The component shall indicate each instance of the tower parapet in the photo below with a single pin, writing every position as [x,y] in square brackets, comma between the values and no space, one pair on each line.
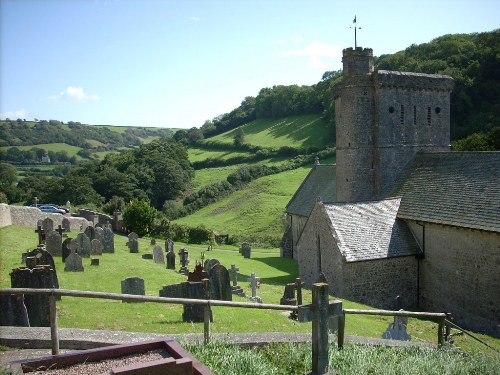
[357,61]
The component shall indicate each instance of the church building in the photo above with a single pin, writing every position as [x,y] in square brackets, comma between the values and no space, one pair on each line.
[408,217]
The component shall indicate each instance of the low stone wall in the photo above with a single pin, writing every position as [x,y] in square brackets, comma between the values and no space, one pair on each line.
[29,216]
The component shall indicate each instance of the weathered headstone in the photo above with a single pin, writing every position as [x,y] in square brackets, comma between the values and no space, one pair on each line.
[171,291]
[65,248]
[397,329]
[184,261]
[220,287]
[74,261]
[246,250]
[254,284]
[37,305]
[133,242]
[66,224]
[14,312]
[48,225]
[288,295]
[133,235]
[195,313]
[95,247]
[209,263]
[90,232]
[99,234]
[53,243]
[108,241]
[44,258]
[158,256]
[133,285]
[169,245]
[170,260]
[84,245]
[235,288]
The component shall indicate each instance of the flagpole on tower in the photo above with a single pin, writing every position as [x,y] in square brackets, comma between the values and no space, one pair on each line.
[355,34]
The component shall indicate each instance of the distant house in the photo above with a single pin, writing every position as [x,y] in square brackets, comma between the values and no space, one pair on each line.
[408,217]
[45,159]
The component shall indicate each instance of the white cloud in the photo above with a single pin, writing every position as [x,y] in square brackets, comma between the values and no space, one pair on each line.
[13,115]
[315,53]
[76,94]
[195,19]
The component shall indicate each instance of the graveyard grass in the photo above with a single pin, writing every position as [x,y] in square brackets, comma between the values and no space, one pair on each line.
[274,272]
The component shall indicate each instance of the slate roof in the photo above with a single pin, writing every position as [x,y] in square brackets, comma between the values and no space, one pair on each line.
[370,230]
[453,188]
[320,182]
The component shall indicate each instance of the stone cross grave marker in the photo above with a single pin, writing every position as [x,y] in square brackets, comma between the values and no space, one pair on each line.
[299,284]
[133,285]
[254,284]
[318,313]
[60,230]
[220,287]
[95,247]
[158,256]
[66,224]
[84,243]
[170,260]
[184,260]
[41,234]
[108,241]
[54,243]
[235,288]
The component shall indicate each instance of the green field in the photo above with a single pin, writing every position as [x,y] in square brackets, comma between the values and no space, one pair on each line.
[198,154]
[55,147]
[297,131]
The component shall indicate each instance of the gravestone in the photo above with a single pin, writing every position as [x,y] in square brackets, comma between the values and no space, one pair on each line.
[66,224]
[397,329]
[84,245]
[299,284]
[153,241]
[133,236]
[171,291]
[209,263]
[245,250]
[184,260]
[195,313]
[133,242]
[74,261]
[198,274]
[37,305]
[90,232]
[169,245]
[48,225]
[170,260]
[235,288]
[39,223]
[14,312]
[40,232]
[220,287]
[254,284]
[108,241]
[99,234]
[94,261]
[95,247]
[53,243]
[288,295]
[147,256]
[133,285]
[65,248]
[44,258]
[158,256]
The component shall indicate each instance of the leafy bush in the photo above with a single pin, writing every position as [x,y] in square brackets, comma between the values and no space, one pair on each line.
[139,217]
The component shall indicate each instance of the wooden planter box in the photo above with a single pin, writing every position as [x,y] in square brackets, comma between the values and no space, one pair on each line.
[180,361]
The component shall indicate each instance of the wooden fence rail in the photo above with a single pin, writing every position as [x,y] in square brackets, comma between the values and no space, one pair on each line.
[318,313]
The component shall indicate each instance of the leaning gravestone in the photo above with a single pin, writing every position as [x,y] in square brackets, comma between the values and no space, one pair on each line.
[37,305]
[95,247]
[108,241]
[84,243]
[220,287]
[158,256]
[90,232]
[14,312]
[47,225]
[194,313]
[73,262]
[99,234]
[171,260]
[66,224]
[53,243]
[133,285]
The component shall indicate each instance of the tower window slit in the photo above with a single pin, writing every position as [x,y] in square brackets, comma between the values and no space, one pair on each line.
[414,115]
[402,115]
[429,116]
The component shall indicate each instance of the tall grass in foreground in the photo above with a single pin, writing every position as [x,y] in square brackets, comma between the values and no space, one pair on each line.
[291,358]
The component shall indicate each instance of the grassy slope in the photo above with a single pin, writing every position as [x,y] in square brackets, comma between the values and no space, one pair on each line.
[150,317]
[55,147]
[297,131]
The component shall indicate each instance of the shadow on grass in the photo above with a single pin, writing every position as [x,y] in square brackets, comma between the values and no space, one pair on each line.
[281,264]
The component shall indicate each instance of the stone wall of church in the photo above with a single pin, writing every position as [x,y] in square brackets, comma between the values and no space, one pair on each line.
[455,279]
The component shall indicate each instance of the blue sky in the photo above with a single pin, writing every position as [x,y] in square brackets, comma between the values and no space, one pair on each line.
[173,63]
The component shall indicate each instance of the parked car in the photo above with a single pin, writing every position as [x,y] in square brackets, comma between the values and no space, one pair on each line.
[53,205]
[51,209]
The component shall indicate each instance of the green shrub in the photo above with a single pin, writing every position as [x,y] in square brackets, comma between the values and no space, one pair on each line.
[139,217]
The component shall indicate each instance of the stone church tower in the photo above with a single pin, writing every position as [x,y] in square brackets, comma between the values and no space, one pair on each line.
[383,119]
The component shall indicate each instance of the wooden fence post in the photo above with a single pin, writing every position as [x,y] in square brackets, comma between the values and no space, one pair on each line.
[54,334]
[441,331]
[341,330]
[206,313]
